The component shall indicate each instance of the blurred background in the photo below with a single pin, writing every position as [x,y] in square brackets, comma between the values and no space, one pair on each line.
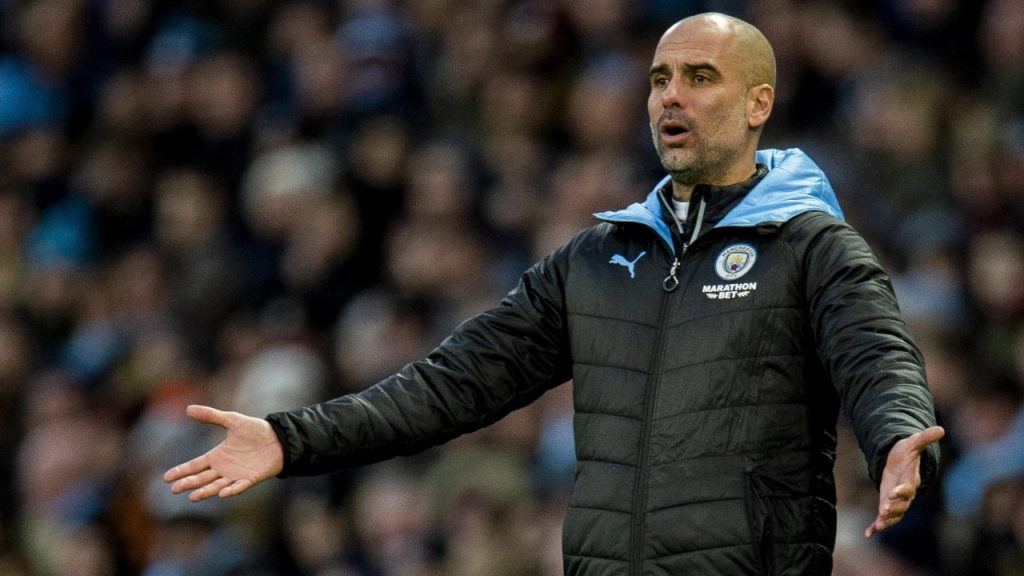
[258,205]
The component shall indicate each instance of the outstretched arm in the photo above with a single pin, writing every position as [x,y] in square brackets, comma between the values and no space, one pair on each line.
[901,478]
[867,350]
[248,455]
[492,364]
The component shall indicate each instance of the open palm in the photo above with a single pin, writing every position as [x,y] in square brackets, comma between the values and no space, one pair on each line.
[901,478]
[248,455]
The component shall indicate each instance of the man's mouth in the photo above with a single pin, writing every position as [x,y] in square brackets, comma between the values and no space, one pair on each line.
[673,133]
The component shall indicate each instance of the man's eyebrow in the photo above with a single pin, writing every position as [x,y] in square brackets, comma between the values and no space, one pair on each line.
[702,67]
[691,68]
[658,69]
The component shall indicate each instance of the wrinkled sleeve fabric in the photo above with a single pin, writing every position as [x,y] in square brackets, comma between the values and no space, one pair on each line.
[864,343]
[492,364]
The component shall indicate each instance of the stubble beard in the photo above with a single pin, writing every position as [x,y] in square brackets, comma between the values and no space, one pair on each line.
[698,164]
[707,161]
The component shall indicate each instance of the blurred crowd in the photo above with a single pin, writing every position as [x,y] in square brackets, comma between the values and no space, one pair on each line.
[260,204]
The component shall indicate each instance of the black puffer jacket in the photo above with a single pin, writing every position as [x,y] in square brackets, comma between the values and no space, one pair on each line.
[709,365]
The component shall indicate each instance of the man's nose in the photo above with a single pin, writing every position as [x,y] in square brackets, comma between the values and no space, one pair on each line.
[673,96]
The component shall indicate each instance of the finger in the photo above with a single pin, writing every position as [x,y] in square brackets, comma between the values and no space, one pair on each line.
[209,490]
[195,481]
[903,492]
[193,466]
[235,488]
[207,415]
[895,509]
[926,437]
[883,522]
[890,516]
[875,527]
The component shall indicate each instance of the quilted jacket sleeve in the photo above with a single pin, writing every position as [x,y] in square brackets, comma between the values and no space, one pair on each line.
[863,342]
[492,364]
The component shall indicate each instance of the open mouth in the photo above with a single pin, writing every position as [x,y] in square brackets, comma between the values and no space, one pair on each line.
[673,132]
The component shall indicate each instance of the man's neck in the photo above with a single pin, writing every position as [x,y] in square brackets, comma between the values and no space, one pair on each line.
[683,192]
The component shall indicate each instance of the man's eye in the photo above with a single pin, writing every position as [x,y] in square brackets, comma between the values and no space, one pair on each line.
[660,82]
[700,79]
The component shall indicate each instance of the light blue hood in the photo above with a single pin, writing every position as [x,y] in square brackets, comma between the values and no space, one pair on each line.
[794,185]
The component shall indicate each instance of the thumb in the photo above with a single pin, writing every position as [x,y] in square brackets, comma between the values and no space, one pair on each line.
[926,437]
[207,415]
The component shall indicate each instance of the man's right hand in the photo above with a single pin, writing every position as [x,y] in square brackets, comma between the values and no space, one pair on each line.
[248,455]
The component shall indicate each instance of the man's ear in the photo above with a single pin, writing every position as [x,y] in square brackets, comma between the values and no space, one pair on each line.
[760,99]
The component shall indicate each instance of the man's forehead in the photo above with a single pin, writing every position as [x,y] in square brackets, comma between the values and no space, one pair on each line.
[690,49]
[724,42]
[710,35]
[717,24]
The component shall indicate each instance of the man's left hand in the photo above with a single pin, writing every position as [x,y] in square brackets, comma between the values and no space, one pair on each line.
[901,478]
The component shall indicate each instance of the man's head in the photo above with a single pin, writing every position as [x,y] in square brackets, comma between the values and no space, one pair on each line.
[712,87]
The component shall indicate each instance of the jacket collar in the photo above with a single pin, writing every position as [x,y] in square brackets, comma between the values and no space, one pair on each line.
[794,185]
[718,200]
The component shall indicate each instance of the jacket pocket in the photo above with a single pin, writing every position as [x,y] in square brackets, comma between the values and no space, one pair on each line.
[760,519]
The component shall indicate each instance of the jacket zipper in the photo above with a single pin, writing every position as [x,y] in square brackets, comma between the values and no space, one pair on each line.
[669,284]
[640,487]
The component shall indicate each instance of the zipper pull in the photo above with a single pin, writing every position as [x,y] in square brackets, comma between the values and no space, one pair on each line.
[671,282]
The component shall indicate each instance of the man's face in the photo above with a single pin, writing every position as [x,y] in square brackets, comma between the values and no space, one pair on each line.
[698,105]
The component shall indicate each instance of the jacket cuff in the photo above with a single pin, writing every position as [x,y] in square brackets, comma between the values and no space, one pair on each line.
[881,457]
[282,439]
[930,459]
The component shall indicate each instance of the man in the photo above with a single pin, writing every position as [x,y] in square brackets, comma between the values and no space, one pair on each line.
[711,332]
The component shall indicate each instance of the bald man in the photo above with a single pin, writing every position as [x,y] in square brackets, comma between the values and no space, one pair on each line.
[712,331]
[712,87]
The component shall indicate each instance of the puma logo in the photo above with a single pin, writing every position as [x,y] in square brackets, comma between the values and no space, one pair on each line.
[621,261]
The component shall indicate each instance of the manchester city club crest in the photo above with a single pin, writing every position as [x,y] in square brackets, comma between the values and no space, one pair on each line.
[735,261]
